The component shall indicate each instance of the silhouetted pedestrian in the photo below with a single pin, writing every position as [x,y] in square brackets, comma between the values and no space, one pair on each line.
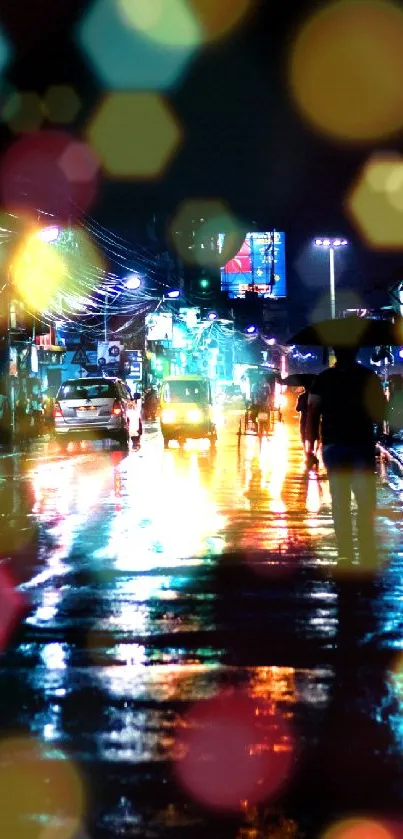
[347,400]
[5,417]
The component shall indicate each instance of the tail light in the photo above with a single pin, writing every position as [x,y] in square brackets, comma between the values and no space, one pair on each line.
[57,411]
[116,410]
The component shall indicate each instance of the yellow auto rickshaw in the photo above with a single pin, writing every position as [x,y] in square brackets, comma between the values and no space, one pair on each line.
[187,409]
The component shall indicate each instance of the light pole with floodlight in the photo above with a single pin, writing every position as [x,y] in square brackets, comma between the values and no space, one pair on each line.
[331,245]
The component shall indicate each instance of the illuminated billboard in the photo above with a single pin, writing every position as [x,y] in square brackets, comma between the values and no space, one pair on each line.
[159,326]
[259,266]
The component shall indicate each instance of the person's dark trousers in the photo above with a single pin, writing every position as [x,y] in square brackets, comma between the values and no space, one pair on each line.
[351,470]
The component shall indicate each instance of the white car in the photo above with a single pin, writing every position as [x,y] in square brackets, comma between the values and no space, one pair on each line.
[92,407]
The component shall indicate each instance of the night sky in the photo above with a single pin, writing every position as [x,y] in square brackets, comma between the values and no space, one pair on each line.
[243,141]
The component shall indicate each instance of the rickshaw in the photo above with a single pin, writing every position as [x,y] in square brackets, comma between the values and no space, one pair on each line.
[264,406]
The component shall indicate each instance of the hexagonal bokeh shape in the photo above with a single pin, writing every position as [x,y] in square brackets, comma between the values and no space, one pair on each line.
[34,173]
[184,22]
[375,202]
[22,112]
[61,103]
[344,69]
[134,134]
[124,58]
[170,23]
[193,232]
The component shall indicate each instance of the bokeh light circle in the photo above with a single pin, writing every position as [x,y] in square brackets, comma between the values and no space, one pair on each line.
[358,828]
[23,112]
[375,201]
[233,749]
[219,19]
[31,786]
[170,24]
[80,165]
[32,179]
[44,273]
[134,135]
[184,23]
[38,273]
[61,103]
[345,68]
[194,228]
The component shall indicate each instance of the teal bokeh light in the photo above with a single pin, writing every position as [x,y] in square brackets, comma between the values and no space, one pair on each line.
[125,59]
[5,51]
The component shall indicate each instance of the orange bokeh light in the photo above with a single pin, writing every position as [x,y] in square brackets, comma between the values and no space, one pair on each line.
[345,68]
[358,828]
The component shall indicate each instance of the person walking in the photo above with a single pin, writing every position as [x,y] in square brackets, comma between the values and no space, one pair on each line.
[23,420]
[302,409]
[135,423]
[346,401]
[5,417]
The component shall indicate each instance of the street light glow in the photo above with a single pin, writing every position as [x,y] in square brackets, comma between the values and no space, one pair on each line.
[132,282]
[173,294]
[212,315]
[331,245]
[250,330]
[49,234]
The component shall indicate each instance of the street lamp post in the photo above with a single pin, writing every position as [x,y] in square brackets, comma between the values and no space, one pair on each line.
[331,245]
[131,282]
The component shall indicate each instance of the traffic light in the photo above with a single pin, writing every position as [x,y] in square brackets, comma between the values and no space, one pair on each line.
[160,366]
[204,283]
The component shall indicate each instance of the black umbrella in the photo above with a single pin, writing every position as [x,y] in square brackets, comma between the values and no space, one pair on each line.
[351,331]
[299,380]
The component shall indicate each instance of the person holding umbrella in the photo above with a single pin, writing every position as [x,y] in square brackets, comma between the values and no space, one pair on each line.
[303,380]
[346,401]
[302,408]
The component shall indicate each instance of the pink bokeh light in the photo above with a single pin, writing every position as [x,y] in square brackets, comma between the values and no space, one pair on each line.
[13,605]
[49,172]
[232,751]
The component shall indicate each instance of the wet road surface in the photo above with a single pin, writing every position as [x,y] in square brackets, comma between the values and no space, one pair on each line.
[156,583]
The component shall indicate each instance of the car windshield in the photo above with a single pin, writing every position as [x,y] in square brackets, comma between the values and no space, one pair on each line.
[87,390]
[186,391]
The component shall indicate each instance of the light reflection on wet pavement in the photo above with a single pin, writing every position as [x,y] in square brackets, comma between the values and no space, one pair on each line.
[159,579]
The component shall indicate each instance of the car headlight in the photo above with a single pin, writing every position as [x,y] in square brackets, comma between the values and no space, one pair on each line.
[194,415]
[168,416]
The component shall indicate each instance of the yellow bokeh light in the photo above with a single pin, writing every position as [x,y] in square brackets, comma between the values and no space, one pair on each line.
[134,134]
[171,24]
[23,112]
[358,829]
[84,261]
[45,273]
[345,69]
[375,202]
[61,103]
[38,272]
[182,23]
[32,785]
